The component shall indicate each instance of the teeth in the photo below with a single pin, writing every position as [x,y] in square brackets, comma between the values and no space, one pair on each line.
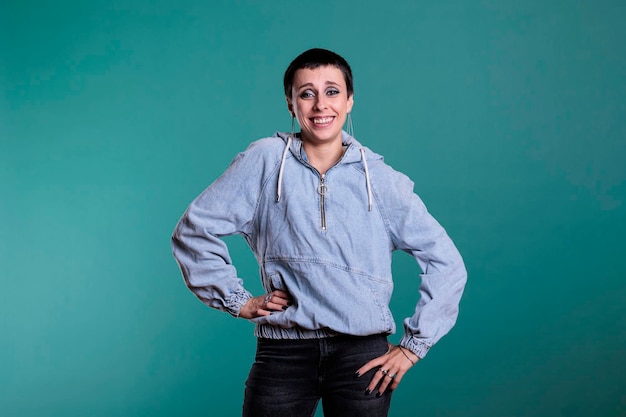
[322,120]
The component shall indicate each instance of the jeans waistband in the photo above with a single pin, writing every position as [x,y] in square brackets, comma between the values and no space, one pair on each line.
[265,331]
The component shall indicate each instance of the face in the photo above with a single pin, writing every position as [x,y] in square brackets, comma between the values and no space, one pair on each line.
[320,102]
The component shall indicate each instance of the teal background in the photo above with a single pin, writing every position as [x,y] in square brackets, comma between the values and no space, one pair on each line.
[509,115]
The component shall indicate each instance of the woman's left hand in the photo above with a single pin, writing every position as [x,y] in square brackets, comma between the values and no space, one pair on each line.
[392,367]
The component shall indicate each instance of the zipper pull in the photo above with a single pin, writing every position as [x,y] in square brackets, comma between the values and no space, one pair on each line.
[322,189]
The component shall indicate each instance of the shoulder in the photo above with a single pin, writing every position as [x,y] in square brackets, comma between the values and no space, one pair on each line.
[383,173]
[393,187]
[268,144]
[262,152]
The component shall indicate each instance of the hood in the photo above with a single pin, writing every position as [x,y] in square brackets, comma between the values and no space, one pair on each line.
[354,154]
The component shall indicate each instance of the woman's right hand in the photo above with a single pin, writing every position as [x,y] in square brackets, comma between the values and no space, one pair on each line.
[264,305]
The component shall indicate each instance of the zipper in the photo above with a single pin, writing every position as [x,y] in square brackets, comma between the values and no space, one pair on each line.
[322,190]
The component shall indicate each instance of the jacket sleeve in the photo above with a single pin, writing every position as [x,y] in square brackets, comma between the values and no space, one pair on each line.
[443,276]
[225,208]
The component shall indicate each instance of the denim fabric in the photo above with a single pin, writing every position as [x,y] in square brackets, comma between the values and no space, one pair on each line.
[289,377]
[329,251]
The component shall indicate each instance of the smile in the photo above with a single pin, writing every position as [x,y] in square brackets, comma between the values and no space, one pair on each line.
[322,120]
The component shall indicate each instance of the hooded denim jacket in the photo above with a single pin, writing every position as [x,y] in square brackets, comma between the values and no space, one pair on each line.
[327,240]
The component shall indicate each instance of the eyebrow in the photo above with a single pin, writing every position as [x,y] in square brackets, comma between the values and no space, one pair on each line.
[311,84]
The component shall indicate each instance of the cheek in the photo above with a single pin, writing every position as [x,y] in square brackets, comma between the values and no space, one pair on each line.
[301,108]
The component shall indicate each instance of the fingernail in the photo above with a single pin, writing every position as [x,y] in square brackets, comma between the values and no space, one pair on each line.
[379,394]
[357,374]
[285,307]
[368,392]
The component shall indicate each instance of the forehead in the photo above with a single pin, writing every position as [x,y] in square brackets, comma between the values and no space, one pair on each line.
[328,74]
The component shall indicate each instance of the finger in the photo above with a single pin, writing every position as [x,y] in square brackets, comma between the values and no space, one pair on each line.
[393,366]
[273,303]
[393,383]
[279,297]
[376,362]
[390,380]
[282,294]
[384,383]
[273,307]
[374,382]
[263,305]
[262,312]
[281,302]
[381,380]
[396,381]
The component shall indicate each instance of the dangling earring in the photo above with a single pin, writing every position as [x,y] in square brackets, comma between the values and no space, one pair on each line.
[293,125]
[350,127]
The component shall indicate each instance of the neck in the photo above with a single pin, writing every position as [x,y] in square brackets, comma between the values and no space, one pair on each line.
[323,156]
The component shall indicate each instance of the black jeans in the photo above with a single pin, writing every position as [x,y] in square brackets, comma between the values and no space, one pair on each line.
[289,377]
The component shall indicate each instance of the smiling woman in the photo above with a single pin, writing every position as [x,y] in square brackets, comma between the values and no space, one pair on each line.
[319,93]
[320,101]
[324,248]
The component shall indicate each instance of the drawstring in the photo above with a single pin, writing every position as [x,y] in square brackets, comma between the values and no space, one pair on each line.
[282,166]
[367,181]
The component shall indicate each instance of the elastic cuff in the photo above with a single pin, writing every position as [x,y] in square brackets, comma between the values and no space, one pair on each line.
[237,300]
[415,345]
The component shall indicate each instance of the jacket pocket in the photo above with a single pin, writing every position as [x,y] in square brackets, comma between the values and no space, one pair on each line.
[276,282]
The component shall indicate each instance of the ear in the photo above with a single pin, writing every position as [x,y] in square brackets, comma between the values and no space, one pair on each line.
[350,102]
[290,107]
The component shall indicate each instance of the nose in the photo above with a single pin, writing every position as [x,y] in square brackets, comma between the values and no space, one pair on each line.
[320,103]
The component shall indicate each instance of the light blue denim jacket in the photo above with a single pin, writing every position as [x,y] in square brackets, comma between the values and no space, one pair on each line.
[327,240]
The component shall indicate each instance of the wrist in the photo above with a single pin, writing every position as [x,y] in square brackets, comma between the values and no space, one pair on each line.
[412,357]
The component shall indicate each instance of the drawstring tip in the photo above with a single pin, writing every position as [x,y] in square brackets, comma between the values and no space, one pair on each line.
[280,170]
[368,185]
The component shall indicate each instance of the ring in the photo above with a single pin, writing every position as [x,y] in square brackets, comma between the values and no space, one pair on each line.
[390,376]
[384,371]
[267,298]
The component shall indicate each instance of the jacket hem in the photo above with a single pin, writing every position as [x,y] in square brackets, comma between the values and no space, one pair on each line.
[266,331]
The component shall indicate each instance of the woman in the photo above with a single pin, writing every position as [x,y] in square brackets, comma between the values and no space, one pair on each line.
[322,214]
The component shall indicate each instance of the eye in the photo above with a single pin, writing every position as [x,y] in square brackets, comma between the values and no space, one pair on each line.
[307,94]
[332,92]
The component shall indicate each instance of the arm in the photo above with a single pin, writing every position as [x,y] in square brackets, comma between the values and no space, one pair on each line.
[443,275]
[226,207]
[416,232]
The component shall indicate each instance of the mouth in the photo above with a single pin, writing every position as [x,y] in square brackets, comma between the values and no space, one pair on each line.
[322,121]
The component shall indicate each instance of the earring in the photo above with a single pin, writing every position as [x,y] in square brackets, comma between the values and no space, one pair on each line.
[293,125]
[350,127]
